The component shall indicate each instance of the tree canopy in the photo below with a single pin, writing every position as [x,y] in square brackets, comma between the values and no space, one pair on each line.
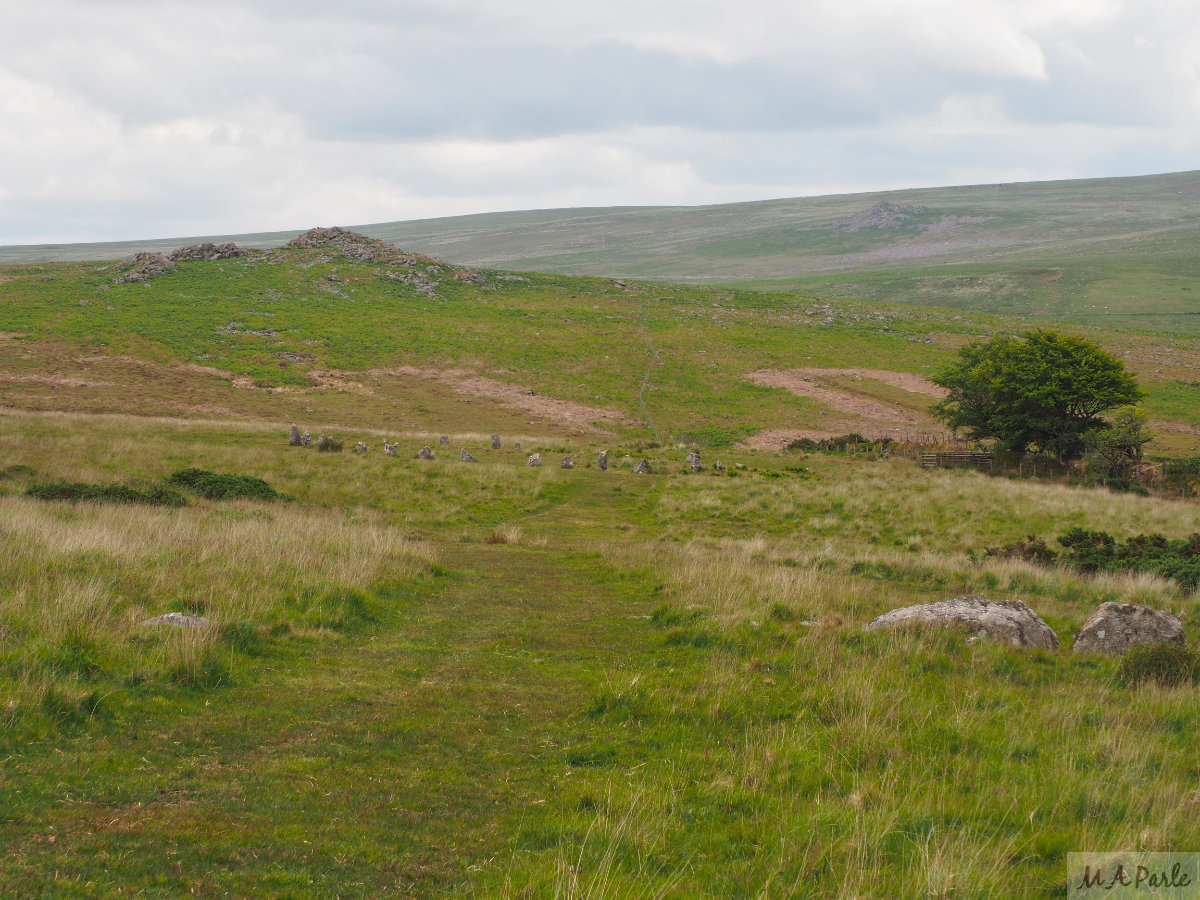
[1044,390]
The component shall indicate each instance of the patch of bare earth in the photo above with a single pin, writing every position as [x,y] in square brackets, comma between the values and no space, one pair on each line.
[865,415]
[565,412]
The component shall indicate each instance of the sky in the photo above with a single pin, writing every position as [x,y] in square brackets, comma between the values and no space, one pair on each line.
[122,119]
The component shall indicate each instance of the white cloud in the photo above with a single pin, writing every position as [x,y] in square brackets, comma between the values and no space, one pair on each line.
[124,118]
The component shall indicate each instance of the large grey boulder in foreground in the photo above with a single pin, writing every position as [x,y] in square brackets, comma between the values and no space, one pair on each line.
[1010,621]
[1116,628]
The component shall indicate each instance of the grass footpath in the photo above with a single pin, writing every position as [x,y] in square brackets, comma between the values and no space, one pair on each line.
[495,681]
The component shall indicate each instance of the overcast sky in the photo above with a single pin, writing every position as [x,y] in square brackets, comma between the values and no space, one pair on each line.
[154,119]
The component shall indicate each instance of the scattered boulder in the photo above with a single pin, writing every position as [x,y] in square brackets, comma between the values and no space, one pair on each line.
[209,251]
[602,461]
[642,467]
[1116,628]
[464,456]
[146,265]
[294,439]
[1010,621]
[535,460]
[360,447]
[425,453]
[568,463]
[693,461]
[444,440]
[495,442]
[178,620]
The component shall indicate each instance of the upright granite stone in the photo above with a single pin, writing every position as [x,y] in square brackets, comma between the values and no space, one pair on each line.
[535,460]
[693,461]
[602,461]
[294,437]
[1116,628]
[568,463]
[495,442]
[444,440]
[425,453]
[1010,621]
[390,449]
[306,440]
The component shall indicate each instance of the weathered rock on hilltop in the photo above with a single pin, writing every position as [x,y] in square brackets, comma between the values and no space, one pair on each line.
[345,243]
[1116,628]
[1010,621]
[146,265]
[209,251]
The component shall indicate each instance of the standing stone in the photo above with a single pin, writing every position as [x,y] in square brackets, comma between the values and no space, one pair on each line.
[718,466]
[294,436]
[425,453]
[464,456]
[693,461]
[495,442]
[517,445]
[1116,628]
[1010,621]
[535,460]
[390,449]
[360,447]
[568,463]
[444,440]
[306,440]
[642,467]
[602,461]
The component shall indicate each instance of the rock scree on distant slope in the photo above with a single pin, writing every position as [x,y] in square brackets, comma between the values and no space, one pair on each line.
[882,215]
[1116,628]
[1010,621]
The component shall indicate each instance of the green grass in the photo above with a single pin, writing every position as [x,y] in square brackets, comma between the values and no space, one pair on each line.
[625,695]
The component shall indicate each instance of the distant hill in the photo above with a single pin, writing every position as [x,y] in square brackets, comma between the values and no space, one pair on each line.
[1116,250]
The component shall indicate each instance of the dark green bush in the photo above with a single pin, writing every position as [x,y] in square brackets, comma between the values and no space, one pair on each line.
[1169,665]
[213,486]
[78,491]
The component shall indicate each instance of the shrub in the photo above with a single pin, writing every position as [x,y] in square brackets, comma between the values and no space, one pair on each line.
[1169,665]
[78,491]
[213,486]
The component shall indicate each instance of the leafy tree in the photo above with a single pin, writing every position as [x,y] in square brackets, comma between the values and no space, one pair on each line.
[1114,451]
[1044,391]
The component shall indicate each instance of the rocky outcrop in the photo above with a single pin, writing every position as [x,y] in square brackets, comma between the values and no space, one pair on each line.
[1116,628]
[208,251]
[145,266]
[1009,621]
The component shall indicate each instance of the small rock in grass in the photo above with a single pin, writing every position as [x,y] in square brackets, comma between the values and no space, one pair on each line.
[1010,621]
[360,447]
[568,463]
[535,460]
[642,467]
[1116,628]
[178,620]
[464,456]
[444,440]
[425,453]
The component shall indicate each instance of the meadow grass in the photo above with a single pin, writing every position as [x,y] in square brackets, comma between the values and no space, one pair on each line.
[431,678]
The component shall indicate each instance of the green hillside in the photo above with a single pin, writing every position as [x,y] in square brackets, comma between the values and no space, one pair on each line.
[1116,251]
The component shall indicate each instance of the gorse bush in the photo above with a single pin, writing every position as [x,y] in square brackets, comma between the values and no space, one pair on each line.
[214,486]
[78,491]
[1099,551]
[1169,665]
